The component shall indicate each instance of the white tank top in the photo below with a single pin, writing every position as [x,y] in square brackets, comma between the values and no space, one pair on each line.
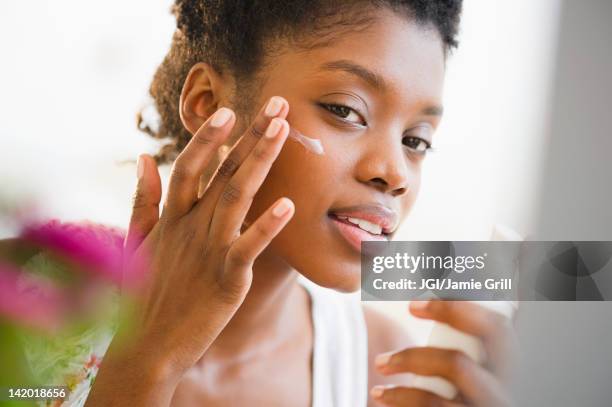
[340,348]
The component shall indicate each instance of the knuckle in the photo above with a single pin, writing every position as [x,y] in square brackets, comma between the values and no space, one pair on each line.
[228,167]
[188,235]
[181,172]
[138,222]
[139,199]
[231,194]
[237,257]
[203,138]
[262,229]
[167,218]
[232,289]
[255,132]
[219,249]
[260,153]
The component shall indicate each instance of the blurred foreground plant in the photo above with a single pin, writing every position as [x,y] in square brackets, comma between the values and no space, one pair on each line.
[59,301]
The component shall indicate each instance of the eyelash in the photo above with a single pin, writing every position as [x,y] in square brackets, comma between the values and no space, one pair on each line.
[331,106]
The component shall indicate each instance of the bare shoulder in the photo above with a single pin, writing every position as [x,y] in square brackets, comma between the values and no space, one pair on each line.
[384,335]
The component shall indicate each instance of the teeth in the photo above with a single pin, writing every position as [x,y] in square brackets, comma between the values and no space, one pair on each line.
[364,224]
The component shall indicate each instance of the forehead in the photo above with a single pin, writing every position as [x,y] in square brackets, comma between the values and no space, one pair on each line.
[408,59]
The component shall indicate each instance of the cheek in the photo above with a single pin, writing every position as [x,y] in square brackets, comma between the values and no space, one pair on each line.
[414,186]
[313,182]
[300,175]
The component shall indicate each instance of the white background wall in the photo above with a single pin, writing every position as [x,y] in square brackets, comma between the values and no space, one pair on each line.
[73,74]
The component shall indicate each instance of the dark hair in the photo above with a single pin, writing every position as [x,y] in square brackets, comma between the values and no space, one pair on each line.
[235,35]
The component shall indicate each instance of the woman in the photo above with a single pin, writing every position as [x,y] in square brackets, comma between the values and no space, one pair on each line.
[223,319]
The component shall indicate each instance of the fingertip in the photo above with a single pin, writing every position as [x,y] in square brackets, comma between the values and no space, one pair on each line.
[221,117]
[140,166]
[383,359]
[283,131]
[148,177]
[277,106]
[284,123]
[283,207]
[418,307]
[285,109]
[148,158]
[145,164]
[377,392]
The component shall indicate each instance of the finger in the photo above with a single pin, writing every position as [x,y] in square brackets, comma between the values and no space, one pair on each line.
[193,160]
[251,243]
[474,382]
[406,396]
[145,205]
[276,107]
[494,329]
[239,192]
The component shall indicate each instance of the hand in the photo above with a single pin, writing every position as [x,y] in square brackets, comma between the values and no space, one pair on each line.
[478,386]
[198,264]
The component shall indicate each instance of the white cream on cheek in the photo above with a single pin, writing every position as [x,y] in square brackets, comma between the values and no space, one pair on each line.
[311,144]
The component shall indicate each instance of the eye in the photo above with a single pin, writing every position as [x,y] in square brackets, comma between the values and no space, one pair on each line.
[416,144]
[345,113]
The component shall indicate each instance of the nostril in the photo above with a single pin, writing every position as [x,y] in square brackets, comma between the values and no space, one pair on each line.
[400,191]
[380,183]
[384,185]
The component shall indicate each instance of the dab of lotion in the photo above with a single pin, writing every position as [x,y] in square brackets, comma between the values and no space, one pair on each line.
[311,144]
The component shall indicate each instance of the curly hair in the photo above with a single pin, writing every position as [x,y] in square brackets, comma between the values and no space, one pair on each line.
[235,36]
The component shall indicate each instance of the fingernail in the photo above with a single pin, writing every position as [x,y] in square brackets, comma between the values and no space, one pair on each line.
[377,391]
[419,305]
[382,359]
[221,117]
[140,167]
[281,208]
[273,128]
[274,107]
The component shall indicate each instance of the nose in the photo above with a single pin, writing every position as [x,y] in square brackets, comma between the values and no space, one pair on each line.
[384,166]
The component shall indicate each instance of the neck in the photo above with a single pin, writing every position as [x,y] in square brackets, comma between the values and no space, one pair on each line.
[267,316]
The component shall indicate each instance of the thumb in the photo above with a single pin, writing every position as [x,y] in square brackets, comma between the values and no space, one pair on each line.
[145,202]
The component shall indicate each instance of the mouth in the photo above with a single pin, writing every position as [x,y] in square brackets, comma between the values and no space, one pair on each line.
[364,223]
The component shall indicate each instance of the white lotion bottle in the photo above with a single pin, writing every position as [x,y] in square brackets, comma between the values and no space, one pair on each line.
[444,336]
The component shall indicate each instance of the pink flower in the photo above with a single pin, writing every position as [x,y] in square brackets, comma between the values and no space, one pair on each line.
[30,300]
[93,253]
[98,249]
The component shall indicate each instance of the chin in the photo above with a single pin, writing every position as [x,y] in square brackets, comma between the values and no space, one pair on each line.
[344,277]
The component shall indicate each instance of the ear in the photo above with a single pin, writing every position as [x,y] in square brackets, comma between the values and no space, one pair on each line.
[204,91]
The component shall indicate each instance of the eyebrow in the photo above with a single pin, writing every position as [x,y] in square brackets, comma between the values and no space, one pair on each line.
[372,78]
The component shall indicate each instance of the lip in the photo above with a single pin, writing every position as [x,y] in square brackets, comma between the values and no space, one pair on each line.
[376,214]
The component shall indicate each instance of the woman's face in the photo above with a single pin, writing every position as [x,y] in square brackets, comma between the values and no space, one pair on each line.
[373,98]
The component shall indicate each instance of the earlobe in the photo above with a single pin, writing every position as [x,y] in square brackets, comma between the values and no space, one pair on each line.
[201,96]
